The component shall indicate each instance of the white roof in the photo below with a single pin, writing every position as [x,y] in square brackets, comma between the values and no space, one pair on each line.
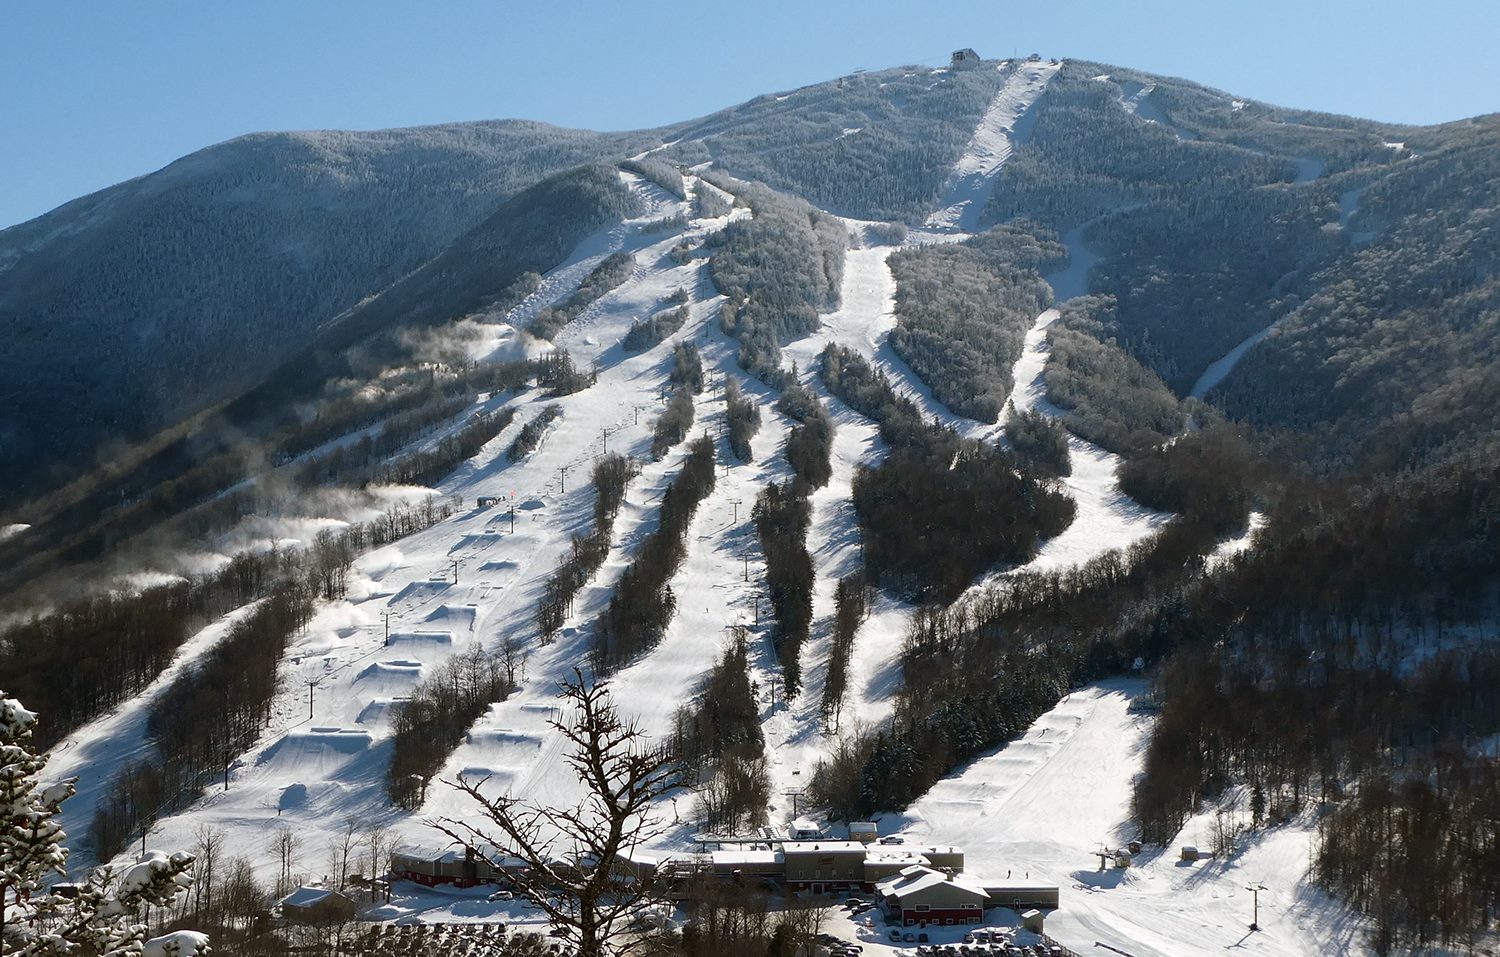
[308,896]
[918,878]
[731,858]
[895,855]
[821,847]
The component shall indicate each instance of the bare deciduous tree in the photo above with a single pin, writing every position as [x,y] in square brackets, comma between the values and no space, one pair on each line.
[577,868]
[284,844]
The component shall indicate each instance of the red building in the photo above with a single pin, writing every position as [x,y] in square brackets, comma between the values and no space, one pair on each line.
[921,895]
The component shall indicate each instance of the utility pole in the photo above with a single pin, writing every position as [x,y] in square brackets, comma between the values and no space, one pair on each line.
[736,503]
[512,518]
[1255,890]
[310,686]
[454,563]
[604,437]
[387,616]
[564,470]
[747,568]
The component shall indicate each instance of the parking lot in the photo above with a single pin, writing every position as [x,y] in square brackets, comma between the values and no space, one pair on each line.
[865,934]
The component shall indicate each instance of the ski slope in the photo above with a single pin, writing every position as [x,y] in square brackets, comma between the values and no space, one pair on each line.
[1041,806]
[1003,126]
[1038,806]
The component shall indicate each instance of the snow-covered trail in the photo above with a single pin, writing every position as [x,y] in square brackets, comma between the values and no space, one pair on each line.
[1002,127]
[1136,100]
[97,752]
[316,766]
[1106,517]
[1039,807]
[1219,369]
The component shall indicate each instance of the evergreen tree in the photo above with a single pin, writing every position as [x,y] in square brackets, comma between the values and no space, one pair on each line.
[103,920]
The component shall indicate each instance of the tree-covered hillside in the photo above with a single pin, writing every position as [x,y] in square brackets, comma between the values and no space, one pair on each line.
[132,307]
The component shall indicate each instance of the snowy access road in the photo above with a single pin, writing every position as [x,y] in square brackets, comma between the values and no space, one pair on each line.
[1004,124]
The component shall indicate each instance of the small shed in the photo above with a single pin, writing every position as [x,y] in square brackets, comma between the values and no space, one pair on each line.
[805,829]
[864,832]
[317,905]
[1190,853]
[1032,920]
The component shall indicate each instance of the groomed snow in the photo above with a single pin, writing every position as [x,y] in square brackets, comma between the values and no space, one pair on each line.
[1038,806]
[1041,806]
[1000,129]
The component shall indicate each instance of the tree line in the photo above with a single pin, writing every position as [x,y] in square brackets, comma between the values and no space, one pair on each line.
[743,416]
[782,516]
[532,432]
[612,473]
[718,736]
[962,311]
[94,652]
[432,722]
[643,602]
[777,270]
[940,509]
[613,270]
[686,380]
[851,607]
[646,333]
[218,705]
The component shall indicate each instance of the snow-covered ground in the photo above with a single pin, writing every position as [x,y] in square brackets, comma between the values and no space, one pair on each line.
[1038,806]
[1219,369]
[1004,124]
[1041,806]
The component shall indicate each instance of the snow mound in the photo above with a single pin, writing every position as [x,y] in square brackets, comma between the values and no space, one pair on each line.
[422,637]
[316,747]
[461,617]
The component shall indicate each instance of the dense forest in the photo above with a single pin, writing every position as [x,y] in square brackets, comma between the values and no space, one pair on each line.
[939,510]
[226,294]
[962,311]
[1106,396]
[778,270]
[876,145]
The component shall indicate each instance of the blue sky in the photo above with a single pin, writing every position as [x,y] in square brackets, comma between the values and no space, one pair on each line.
[97,92]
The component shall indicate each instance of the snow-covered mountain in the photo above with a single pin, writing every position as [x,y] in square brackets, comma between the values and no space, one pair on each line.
[1192,309]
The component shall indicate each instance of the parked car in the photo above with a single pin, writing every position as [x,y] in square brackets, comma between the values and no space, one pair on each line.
[894,935]
[910,937]
[921,938]
[893,839]
[502,896]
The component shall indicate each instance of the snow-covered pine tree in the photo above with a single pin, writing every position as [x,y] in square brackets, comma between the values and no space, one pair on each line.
[104,919]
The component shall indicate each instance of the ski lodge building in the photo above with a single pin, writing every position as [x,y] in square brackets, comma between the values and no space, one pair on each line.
[906,875]
[921,895]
